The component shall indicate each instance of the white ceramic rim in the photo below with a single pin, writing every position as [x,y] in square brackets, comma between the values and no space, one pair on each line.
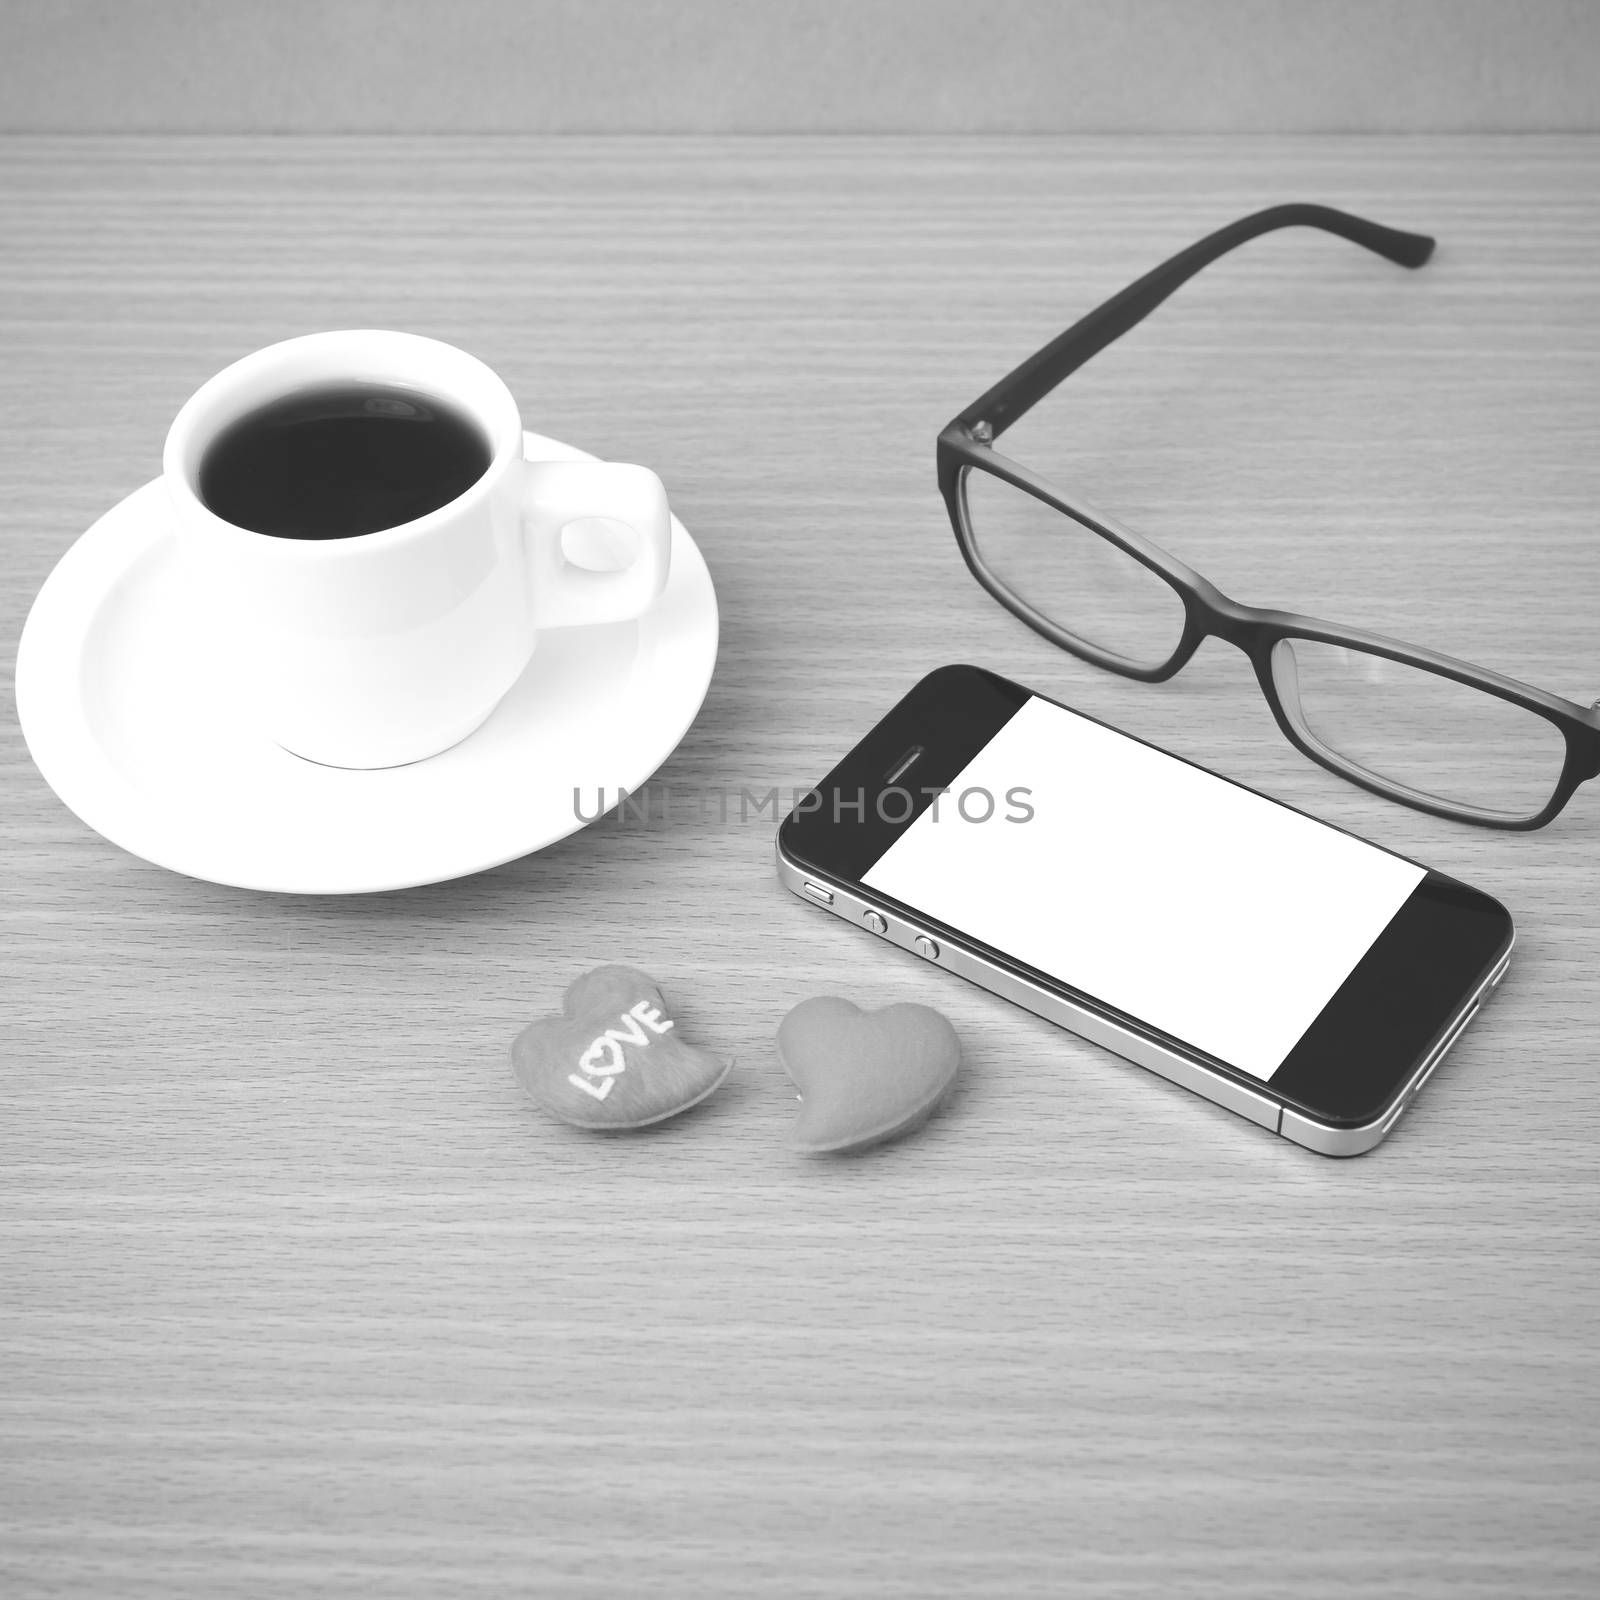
[345,355]
[68,754]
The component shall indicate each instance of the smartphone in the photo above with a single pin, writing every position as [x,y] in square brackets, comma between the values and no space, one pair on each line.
[1277,965]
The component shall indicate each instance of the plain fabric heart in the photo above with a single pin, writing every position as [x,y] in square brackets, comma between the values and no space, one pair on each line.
[864,1076]
[614,1058]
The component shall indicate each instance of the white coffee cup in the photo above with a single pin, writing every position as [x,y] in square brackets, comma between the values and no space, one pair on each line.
[383,648]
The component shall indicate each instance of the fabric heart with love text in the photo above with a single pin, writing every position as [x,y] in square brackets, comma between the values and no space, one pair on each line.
[614,1058]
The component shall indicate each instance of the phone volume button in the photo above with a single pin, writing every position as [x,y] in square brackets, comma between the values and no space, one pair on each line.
[927,947]
[875,923]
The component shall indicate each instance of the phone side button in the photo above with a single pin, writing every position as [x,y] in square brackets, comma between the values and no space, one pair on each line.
[927,948]
[823,897]
[874,923]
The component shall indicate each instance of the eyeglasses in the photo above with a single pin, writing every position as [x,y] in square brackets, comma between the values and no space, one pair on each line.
[1418,727]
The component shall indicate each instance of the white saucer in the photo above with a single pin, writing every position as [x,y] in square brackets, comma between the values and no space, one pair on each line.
[128,712]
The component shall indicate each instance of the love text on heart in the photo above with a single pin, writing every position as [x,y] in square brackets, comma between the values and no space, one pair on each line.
[603,1062]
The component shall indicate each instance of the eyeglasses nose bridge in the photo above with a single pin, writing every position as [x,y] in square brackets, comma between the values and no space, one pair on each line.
[1220,617]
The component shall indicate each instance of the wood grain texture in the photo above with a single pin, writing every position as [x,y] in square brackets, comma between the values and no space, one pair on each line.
[299,1296]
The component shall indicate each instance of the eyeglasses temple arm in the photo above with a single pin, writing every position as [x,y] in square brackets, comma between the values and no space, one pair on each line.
[1025,386]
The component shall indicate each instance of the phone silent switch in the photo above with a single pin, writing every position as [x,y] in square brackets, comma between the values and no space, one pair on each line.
[927,947]
[823,897]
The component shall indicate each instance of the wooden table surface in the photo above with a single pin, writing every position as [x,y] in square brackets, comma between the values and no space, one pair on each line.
[301,1298]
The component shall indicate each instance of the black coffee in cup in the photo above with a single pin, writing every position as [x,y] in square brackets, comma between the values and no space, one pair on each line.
[334,462]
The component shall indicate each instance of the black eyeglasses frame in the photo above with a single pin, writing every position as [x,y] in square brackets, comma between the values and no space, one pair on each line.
[966,444]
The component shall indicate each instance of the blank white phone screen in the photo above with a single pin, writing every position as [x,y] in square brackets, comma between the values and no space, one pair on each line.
[1181,899]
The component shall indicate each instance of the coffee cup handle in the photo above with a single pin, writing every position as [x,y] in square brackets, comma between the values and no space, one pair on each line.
[599,541]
